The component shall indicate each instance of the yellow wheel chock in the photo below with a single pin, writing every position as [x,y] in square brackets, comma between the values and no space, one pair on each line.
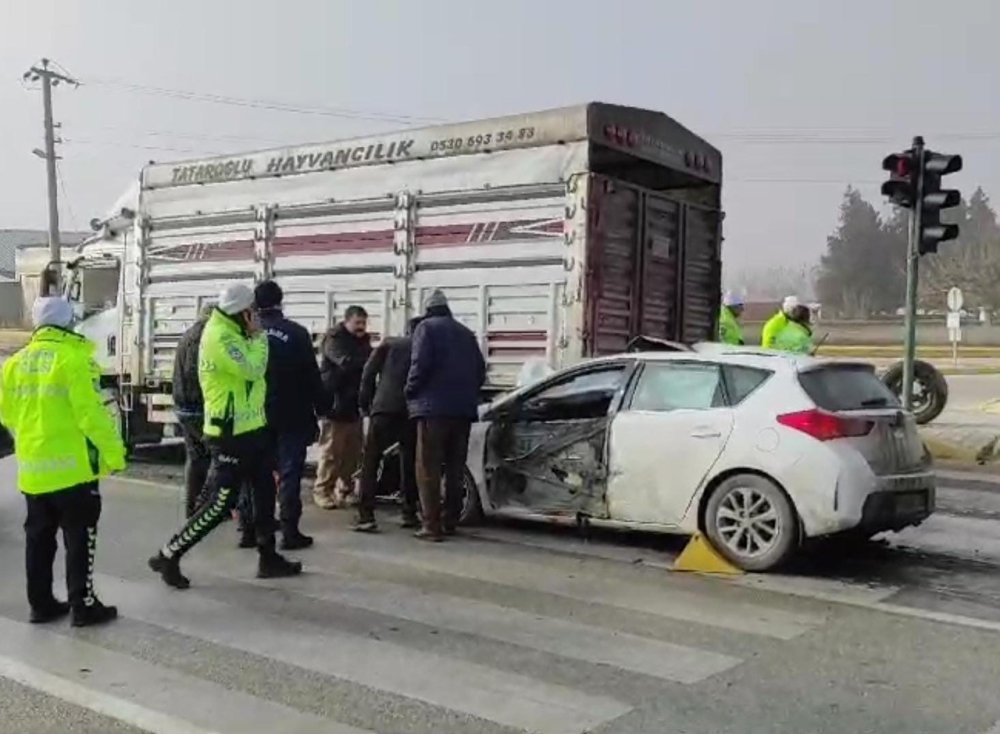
[700,556]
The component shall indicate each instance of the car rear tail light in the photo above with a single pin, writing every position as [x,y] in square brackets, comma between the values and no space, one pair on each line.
[825,426]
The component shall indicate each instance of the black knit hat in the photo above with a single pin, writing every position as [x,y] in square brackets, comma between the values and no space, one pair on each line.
[267,294]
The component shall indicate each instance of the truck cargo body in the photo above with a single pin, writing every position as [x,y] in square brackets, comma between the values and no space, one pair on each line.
[556,236]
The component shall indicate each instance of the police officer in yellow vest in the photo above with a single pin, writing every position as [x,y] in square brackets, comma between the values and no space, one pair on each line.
[730,330]
[65,440]
[774,325]
[796,336]
[232,363]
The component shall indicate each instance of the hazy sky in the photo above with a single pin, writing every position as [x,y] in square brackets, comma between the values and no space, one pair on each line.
[803,98]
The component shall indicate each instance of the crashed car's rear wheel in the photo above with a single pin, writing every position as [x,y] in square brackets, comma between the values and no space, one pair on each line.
[751,522]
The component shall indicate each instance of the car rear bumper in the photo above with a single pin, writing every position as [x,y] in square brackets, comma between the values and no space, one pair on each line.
[899,503]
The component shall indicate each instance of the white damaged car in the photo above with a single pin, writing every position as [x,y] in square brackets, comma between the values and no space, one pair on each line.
[758,450]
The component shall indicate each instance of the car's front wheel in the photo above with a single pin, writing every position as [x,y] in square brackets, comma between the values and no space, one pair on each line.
[751,522]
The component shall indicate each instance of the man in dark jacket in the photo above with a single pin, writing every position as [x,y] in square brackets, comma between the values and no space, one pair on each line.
[189,408]
[294,394]
[382,399]
[345,350]
[447,371]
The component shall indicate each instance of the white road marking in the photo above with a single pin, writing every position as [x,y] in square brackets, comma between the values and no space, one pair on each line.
[567,639]
[141,694]
[506,698]
[821,589]
[671,603]
[995,729]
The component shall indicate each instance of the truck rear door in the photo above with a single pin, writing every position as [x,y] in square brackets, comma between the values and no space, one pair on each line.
[653,267]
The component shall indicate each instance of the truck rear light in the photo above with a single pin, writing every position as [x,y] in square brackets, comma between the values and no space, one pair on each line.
[825,426]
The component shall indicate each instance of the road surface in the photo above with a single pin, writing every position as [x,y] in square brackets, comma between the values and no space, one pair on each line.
[513,628]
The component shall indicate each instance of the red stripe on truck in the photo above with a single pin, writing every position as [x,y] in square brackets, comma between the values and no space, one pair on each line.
[445,235]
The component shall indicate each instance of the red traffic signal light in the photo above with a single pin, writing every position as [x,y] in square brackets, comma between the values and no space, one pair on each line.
[901,187]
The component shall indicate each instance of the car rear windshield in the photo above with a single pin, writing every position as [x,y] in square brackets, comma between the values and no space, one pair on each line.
[848,387]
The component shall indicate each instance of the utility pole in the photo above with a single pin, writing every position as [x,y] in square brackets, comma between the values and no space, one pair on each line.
[912,275]
[49,79]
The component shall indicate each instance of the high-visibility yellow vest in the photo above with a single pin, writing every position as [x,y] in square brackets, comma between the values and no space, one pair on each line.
[231,370]
[64,435]
[795,338]
[772,328]
[730,331]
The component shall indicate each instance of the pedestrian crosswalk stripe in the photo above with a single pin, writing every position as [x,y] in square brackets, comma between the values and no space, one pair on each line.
[141,694]
[583,642]
[671,603]
[495,695]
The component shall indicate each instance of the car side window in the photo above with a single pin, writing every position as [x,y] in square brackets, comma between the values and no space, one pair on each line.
[741,381]
[679,386]
[608,380]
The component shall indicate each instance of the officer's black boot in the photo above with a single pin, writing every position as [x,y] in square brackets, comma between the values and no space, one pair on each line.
[169,570]
[248,538]
[94,614]
[273,565]
[293,539]
[50,612]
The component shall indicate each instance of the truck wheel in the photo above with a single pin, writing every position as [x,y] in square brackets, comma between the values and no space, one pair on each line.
[751,522]
[930,389]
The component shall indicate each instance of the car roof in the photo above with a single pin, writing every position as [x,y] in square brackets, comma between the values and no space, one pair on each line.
[757,357]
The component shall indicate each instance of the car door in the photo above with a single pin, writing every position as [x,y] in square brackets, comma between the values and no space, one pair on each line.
[669,433]
[546,450]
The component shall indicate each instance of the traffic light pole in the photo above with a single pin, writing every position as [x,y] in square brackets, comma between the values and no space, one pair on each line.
[912,275]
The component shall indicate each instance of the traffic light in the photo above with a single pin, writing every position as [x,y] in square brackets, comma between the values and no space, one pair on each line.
[935,199]
[901,188]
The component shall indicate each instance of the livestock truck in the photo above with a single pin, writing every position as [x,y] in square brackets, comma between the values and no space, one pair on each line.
[556,235]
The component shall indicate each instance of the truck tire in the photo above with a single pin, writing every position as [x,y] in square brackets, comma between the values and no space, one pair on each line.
[751,521]
[930,389]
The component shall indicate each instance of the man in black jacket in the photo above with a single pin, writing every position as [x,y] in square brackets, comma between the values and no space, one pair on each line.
[382,399]
[294,396]
[447,371]
[189,408]
[345,350]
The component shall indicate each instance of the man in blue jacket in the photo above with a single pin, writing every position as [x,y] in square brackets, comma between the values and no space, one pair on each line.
[447,371]
[294,396]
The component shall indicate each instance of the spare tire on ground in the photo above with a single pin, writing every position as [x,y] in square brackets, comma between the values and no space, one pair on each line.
[930,389]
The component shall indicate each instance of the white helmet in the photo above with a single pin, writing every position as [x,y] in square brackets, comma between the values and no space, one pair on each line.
[235,298]
[789,304]
[733,299]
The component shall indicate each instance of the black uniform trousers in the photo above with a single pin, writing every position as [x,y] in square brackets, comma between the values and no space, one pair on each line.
[243,458]
[197,459]
[76,511]
[383,431]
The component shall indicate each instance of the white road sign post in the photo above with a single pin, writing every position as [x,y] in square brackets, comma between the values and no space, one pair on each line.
[955,302]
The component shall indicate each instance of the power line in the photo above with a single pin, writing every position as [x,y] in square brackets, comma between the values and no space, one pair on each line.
[833,181]
[189,135]
[119,144]
[263,104]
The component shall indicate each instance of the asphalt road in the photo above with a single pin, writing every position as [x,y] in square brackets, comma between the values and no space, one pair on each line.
[513,628]
[972,399]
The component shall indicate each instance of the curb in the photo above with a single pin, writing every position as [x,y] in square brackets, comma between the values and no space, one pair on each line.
[961,452]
